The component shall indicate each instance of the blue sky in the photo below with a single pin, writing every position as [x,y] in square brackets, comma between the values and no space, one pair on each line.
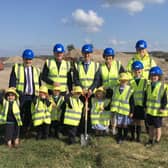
[39,24]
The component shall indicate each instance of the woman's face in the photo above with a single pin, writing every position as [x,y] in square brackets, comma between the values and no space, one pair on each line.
[154,78]
[141,52]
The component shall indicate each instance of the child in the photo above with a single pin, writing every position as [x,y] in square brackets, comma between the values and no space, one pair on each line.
[100,118]
[156,104]
[138,83]
[122,104]
[73,112]
[41,113]
[10,115]
[56,114]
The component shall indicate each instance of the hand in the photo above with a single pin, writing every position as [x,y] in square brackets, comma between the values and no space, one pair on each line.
[89,92]
[161,110]
[56,84]
[131,115]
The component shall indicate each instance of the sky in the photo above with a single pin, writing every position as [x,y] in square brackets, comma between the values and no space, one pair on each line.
[40,24]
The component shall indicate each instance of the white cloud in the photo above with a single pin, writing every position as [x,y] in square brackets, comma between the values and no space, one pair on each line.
[88,21]
[115,42]
[132,6]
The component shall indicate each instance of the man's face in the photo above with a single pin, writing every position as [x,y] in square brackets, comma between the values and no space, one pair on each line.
[109,60]
[59,56]
[137,72]
[27,62]
[87,57]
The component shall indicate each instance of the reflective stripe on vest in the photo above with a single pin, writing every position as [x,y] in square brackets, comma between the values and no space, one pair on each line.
[97,115]
[15,110]
[41,113]
[139,91]
[154,100]
[110,77]
[20,78]
[58,76]
[73,115]
[120,101]
[87,79]
[56,111]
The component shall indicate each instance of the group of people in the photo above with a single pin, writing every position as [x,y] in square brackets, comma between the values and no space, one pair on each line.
[53,100]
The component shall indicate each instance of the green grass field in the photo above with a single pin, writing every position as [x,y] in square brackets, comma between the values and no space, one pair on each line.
[103,152]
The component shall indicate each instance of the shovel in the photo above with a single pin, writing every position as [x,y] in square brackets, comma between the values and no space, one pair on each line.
[85,136]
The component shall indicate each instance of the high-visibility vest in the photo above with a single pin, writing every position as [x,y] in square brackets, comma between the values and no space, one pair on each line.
[73,115]
[98,116]
[154,100]
[20,77]
[87,78]
[147,62]
[56,75]
[56,109]
[41,113]
[110,77]
[139,91]
[120,101]
[15,109]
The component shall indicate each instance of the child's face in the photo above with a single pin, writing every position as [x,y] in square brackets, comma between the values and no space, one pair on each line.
[154,78]
[123,82]
[11,97]
[76,94]
[56,92]
[137,73]
[42,95]
[99,95]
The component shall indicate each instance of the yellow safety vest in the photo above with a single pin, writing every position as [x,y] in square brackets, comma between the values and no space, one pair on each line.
[110,77]
[58,76]
[56,110]
[15,109]
[20,77]
[154,100]
[86,79]
[73,115]
[147,62]
[41,113]
[139,91]
[120,101]
[98,116]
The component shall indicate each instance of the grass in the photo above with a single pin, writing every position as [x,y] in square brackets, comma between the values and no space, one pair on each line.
[103,152]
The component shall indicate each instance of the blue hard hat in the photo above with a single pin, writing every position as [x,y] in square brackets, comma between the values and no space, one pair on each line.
[108,52]
[87,48]
[156,70]
[28,54]
[137,65]
[58,48]
[141,44]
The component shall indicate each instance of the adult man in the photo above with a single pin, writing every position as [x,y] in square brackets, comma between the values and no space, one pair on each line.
[86,72]
[56,71]
[86,75]
[26,79]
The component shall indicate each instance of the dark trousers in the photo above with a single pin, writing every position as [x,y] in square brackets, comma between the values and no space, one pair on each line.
[25,103]
[12,132]
[72,132]
[42,131]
